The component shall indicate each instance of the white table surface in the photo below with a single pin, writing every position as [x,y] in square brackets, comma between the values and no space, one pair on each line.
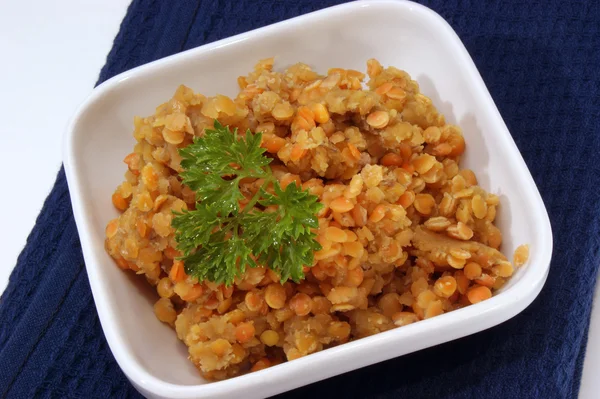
[52,54]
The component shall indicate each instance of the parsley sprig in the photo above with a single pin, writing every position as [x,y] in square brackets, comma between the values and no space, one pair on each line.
[218,239]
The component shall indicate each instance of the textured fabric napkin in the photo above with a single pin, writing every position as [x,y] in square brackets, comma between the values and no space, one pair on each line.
[540,60]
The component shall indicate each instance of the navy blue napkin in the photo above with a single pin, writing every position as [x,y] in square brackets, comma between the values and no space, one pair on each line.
[540,60]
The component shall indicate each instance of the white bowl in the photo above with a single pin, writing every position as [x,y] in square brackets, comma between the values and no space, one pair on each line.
[404,34]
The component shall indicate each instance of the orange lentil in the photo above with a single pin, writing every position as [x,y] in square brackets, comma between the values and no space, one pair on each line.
[373,67]
[165,287]
[122,263]
[354,277]
[469,177]
[406,199]
[359,214]
[119,202]
[404,318]
[145,202]
[340,330]
[391,159]
[445,286]
[378,119]
[273,144]
[177,272]
[269,337]
[111,228]
[253,301]
[261,365]
[242,82]
[521,255]
[244,332]
[301,304]
[275,296]
[389,304]
[335,234]
[478,294]
[288,179]
[442,149]
[282,112]
[141,227]
[462,282]
[341,204]
[457,144]
[424,203]
[297,152]
[320,113]
[171,253]
[378,213]
[193,293]
[306,113]
[384,88]
[472,270]
[354,151]
[503,269]
[164,311]
[486,280]
[353,249]
[408,167]
[132,160]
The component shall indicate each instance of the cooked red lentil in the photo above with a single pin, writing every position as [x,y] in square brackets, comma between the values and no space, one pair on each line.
[406,234]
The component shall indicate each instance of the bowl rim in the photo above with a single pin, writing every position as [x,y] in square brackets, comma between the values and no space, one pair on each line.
[487,314]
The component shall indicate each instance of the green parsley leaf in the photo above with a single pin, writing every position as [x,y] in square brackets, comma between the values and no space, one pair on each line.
[220,260]
[194,228]
[273,234]
[211,161]
[218,241]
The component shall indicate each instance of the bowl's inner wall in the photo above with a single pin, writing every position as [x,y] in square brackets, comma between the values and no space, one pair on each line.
[103,137]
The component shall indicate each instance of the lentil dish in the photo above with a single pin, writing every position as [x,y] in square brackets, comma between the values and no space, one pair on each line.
[405,233]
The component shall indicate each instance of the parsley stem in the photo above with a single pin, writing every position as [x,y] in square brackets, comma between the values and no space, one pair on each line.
[257,195]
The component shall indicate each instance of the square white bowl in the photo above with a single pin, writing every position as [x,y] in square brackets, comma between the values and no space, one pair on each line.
[399,33]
